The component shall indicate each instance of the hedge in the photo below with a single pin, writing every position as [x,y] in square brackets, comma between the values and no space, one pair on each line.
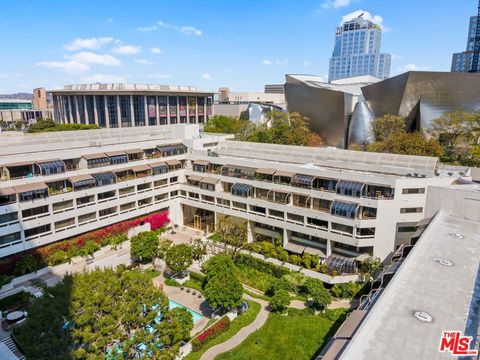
[261,265]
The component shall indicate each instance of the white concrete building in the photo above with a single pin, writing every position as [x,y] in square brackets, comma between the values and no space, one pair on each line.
[335,203]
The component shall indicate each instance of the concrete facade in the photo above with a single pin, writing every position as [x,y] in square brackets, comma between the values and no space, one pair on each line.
[326,201]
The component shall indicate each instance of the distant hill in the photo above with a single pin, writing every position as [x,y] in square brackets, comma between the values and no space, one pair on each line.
[23,96]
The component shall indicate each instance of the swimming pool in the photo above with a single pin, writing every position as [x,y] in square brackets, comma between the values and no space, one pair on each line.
[196,315]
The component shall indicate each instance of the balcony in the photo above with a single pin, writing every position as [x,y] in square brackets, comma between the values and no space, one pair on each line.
[59,187]
[8,195]
[241,172]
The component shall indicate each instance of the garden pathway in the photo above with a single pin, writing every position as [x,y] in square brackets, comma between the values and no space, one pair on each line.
[240,336]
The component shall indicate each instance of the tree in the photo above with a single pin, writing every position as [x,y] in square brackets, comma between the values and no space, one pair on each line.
[319,296]
[449,127]
[407,144]
[371,267]
[280,301]
[144,246]
[18,125]
[383,127]
[104,308]
[225,124]
[179,258]
[185,320]
[199,249]
[163,246]
[222,285]
[233,236]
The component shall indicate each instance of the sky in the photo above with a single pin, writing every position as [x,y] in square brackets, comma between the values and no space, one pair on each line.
[240,44]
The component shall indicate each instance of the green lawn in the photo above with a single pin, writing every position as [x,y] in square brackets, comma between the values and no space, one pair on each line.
[238,323]
[283,337]
[254,278]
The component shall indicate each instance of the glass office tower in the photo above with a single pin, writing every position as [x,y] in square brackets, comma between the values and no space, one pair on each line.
[357,51]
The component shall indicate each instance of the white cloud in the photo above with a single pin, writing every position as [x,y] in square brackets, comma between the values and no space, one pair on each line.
[376,19]
[127,50]
[4,75]
[185,29]
[396,57]
[274,62]
[155,50]
[190,30]
[103,78]
[159,76]
[143,61]
[307,63]
[93,58]
[206,77]
[147,28]
[109,20]
[68,66]
[93,43]
[413,67]
[335,4]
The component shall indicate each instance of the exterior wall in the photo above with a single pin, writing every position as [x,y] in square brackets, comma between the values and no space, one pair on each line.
[230,109]
[39,99]
[180,192]
[9,116]
[131,109]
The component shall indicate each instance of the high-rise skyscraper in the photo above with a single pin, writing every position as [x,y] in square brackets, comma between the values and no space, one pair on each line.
[468,61]
[357,51]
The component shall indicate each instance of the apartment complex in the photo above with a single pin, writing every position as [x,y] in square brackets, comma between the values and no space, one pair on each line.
[131,105]
[334,203]
[357,51]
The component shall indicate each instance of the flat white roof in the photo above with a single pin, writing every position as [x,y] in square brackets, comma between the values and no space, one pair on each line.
[127,88]
[449,294]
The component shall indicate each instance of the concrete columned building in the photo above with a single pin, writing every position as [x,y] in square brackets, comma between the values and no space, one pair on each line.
[338,204]
[357,51]
[131,105]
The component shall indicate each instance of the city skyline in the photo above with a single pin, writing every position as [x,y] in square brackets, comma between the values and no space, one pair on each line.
[158,45]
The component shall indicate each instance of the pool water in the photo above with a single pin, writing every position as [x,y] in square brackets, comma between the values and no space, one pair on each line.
[196,315]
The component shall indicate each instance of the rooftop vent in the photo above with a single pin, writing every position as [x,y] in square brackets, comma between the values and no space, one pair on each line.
[457,236]
[423,316]
[443,261]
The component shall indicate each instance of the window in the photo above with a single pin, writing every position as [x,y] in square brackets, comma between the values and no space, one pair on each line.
[258,209]
[64,223]
[62,205]
[104,179]
[98,162]
[151,110]
[107,195]
[37,230]
[173,193]
[33,195]
[5,239]
[51,167]
[295,217]
[411,210]
[139,110]
[145,186]
[317,222]
[34,211]
[112,111]
[85,200]
[159,183]
[342,228]
[125,112]
[161,197]
[173,179]
[5,218]
[404,229]
[239,205]
[87,217]
[350,188]
[276,213]
[108,211]
[100,100]
[118,159]
[408,191]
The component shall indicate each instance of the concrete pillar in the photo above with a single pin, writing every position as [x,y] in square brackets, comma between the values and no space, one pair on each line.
[157,107]
[76,110]
[132,112]
[85,112]
[95,112]
[285,237]
[119,113]
[329,247]
[249,232]
[107,115]
[145,107]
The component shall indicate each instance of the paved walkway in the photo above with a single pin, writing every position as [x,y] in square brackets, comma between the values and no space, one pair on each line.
[244,332]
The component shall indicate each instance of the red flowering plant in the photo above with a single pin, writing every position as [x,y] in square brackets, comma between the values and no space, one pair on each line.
[72,247]
[211,333]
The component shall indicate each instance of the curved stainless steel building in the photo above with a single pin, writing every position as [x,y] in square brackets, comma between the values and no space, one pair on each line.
[342,112]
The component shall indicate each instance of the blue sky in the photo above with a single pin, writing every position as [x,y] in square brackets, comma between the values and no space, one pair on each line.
[240,44]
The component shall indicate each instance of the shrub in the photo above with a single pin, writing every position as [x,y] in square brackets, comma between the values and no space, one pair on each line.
[316,291]
[58,257]
[301,312]
[178,258]
[310,261]
[279,284]
[346,290]
[262,266]
[212,332]
[280,301]
[339,314]
[296,260]
[172,282]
